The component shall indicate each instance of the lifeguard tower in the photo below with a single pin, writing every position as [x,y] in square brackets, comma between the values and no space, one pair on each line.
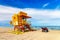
[20,21]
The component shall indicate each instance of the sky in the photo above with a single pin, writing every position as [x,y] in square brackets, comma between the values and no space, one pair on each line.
[43,12]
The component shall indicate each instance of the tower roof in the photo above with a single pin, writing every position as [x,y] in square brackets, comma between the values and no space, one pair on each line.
[23,14]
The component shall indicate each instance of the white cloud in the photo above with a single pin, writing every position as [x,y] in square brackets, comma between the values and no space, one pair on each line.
[42,16]
[58,7]
[6,9]
[45,5]
[6,12]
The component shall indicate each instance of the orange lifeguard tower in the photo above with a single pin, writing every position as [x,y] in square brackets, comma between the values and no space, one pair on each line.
[20,21]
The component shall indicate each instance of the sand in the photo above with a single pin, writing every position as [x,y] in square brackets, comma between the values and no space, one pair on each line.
[32,35]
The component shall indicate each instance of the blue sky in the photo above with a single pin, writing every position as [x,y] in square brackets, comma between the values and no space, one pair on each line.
[40,4]
[43,12]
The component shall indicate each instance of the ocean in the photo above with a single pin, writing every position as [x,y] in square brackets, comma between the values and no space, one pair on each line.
[36,27]
[49,27]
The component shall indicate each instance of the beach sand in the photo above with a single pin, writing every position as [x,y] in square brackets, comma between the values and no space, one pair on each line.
[32,35]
